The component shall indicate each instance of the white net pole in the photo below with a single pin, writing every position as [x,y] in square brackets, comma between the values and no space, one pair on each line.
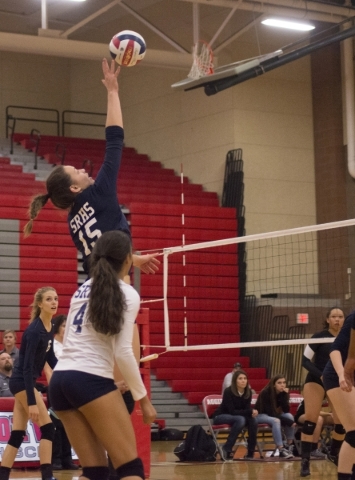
[165,293]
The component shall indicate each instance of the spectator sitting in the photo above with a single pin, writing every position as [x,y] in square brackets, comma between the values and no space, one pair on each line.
[236,410]
[324,418]
[228,378]
[6,366]
[274,410]
[9,341]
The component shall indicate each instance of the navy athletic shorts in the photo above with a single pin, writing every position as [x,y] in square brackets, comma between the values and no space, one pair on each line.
[71,389]
[330,378]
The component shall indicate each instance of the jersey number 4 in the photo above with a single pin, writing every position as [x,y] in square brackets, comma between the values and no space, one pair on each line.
[89,234]
[79,317]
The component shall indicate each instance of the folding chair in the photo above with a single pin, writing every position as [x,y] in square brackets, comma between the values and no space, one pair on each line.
[209,405]
[264,433]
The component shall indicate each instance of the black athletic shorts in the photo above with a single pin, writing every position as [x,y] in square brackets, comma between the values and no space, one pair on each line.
[313,379]
[129,401]
[17,385]
[71,389]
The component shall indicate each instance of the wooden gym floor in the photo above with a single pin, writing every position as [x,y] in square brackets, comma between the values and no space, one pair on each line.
[164,466]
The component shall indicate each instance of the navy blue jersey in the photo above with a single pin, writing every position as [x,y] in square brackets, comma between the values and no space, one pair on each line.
[321,354]
[36,349]
[342,341]
[96,209]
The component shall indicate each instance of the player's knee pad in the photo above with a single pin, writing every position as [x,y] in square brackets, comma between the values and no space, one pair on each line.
[47,431]
[131,469]
[308,427]
[95,473]
[350,438]
[339,429]
[16,438]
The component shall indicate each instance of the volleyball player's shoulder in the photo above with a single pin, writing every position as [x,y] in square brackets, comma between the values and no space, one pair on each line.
[321,334]
[350,319]
[130,293]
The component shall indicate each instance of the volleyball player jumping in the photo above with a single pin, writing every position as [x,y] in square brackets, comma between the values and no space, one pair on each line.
[92,204]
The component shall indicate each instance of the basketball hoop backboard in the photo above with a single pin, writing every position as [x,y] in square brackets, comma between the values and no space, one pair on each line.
[224,72]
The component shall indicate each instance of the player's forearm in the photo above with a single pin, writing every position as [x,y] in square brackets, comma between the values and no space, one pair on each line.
[114,112]
[335,357]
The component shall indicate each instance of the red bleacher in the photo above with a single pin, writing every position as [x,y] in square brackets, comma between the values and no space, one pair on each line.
[152,195]
[46,257]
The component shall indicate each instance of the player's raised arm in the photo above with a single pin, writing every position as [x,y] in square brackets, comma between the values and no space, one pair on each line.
[114,113]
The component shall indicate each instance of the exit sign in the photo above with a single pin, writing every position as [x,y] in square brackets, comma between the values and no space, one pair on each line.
[303,318]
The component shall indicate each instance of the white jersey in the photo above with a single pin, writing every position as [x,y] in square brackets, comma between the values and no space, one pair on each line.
[57,348]
[88,351]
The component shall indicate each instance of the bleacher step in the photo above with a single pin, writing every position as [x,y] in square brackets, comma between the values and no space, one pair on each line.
[175,401]
[178,409]
[165,395]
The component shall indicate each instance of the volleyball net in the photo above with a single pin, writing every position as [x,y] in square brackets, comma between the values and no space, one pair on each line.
[263,290]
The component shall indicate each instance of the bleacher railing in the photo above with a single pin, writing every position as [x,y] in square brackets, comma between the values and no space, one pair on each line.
[67,115]
[36,111]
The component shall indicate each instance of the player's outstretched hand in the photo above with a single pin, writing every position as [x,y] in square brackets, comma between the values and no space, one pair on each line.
[147,263]
[110,73]
[349,369]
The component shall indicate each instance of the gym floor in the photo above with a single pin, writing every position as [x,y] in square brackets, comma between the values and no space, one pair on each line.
[165,466]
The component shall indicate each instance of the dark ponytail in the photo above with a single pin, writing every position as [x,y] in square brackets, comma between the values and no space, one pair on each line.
[37,203]
[107,302]
[58,187]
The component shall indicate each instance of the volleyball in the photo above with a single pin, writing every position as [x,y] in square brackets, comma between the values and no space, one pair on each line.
[127,48]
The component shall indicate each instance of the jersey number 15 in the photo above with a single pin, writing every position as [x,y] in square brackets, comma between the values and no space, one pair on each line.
[89,234]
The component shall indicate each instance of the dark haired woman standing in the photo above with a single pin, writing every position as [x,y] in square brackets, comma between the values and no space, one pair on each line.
[82,390]
[315,358]
[36,349]
[236,411]
[274,410]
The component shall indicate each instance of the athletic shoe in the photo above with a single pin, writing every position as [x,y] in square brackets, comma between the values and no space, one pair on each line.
[284,453]
[70,466]
[226,455]
[318,454]
[291,449]
[305,468]
[249,455]
[333,458]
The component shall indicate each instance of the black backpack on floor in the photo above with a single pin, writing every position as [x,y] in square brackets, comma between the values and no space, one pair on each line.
[197,447]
